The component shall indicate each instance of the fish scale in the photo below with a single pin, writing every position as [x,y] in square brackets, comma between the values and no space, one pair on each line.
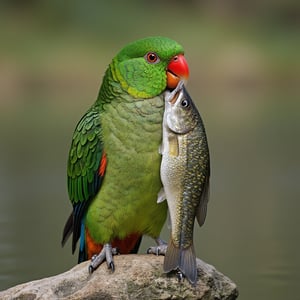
[185,171]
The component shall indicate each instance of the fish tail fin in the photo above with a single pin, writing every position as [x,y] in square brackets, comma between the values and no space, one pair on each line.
[188,264]
[172,258]
[182,259]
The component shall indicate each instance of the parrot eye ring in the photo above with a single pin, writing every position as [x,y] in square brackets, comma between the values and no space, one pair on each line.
[185,103]
[152,58]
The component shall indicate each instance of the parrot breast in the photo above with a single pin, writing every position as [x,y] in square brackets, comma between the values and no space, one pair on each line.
[126,203]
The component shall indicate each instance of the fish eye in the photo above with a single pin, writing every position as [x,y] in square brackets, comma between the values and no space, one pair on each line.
[152,58]
[185,103]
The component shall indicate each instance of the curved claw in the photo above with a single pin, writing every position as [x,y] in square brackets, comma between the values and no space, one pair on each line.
[112,266]
[160,249]
[157,250]
[106,253]
[180,276]
[149,250]
[91,269]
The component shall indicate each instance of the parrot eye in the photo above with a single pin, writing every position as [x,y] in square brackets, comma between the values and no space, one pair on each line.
[152,58]
[185,103]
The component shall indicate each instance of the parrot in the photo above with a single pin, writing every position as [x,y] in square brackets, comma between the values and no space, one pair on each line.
[113,169]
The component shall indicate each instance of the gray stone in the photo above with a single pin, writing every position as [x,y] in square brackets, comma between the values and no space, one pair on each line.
[135,277]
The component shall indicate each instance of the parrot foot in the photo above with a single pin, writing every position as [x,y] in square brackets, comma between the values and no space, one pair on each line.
[160,249]
[107,254]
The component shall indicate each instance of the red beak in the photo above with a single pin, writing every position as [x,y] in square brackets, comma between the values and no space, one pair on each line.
[177,70]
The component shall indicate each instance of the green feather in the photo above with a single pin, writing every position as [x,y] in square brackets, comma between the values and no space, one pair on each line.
[84,156]
[136,76]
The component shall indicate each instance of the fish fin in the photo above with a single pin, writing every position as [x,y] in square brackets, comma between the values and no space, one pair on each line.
[161,196]
[202,207]
[181,259]
[173,145]
[188,264]
[169,223]
[172,258]
[161,149]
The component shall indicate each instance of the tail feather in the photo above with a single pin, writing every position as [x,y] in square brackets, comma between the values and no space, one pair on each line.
[68,229]
[183,260]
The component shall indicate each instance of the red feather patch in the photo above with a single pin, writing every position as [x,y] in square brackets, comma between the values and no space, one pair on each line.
[103,164]
[124,246]
[91,246]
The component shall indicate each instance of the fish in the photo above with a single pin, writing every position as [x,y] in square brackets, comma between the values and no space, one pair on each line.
[185,174]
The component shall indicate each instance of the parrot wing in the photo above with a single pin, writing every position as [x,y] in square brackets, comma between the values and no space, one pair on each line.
[86,169]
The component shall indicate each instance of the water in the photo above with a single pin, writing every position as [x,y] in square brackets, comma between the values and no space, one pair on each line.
[251,233]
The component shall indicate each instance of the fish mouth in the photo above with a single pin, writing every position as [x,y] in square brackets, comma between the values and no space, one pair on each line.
[173,95]
[174,98]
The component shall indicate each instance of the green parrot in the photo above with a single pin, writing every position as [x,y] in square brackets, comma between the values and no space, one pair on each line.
[114,163]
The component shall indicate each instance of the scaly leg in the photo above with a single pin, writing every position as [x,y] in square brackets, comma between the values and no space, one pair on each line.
[160,249]
[107,254]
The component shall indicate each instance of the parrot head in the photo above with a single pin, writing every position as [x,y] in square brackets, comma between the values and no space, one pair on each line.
[147,67]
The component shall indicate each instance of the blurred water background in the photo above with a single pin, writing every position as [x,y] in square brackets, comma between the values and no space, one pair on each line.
[245,70]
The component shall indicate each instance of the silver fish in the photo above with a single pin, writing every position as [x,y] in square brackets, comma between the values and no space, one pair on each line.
[185,172]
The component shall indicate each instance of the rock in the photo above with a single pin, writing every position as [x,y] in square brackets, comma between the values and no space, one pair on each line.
[135,277]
